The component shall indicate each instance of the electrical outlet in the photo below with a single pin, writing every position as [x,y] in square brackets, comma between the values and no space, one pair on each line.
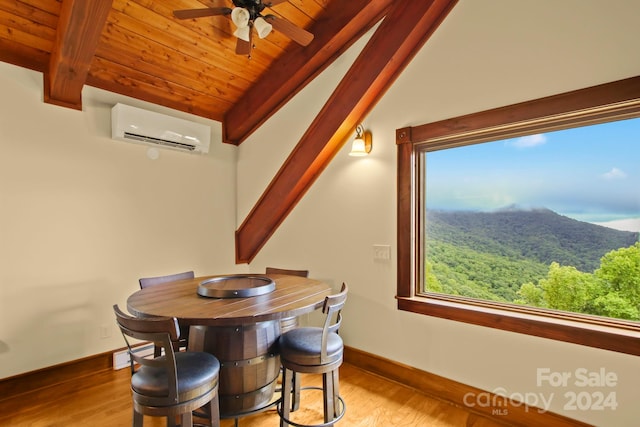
[382,252]
[105,331]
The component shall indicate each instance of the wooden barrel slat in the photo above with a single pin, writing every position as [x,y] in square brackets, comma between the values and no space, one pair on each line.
[249,361]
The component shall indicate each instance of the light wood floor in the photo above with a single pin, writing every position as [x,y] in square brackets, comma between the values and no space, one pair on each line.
[104,400]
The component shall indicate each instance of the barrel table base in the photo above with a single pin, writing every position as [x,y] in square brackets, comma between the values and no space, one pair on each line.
[249,364]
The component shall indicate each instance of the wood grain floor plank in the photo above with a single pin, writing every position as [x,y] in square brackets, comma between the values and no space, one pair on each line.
[104,400]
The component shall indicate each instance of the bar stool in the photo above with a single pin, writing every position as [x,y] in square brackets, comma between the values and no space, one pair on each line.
[314,350]
[174,384]
[145,282]
[288,323]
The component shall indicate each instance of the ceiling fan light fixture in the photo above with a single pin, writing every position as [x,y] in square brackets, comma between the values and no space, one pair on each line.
[247,14]
[263,28]
[240,17]
[243,33]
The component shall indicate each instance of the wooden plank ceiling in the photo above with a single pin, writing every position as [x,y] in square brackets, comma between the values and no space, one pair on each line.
[139,49]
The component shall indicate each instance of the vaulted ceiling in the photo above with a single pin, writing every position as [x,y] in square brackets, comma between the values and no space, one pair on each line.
[138,48]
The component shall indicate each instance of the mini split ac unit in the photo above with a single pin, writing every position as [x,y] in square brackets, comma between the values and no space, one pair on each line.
[147,127]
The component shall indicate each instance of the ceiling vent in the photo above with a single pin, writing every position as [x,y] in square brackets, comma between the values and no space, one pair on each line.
[147,127]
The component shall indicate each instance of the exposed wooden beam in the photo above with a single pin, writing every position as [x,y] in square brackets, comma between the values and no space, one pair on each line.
[403,32]
[79,28]
[26,57]
[341,25]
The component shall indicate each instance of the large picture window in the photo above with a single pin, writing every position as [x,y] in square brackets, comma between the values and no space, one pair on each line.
[526,218]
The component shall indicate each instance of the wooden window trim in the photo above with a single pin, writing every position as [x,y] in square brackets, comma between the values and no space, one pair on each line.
[598,104]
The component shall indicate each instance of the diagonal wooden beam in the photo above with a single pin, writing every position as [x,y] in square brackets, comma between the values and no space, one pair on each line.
[403,32]
[340,26]
[79,27]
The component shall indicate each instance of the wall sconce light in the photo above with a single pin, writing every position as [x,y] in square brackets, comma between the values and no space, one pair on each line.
[362,143]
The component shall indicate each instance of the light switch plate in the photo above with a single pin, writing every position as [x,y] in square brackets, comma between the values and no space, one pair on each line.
[382,252]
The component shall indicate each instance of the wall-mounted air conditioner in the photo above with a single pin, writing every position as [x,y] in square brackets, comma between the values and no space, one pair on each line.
[137,125]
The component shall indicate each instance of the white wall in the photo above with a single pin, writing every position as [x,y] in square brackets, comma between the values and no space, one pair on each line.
[82,217]
[486,54]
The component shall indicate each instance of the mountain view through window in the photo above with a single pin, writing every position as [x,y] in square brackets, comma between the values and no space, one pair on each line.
[549,220]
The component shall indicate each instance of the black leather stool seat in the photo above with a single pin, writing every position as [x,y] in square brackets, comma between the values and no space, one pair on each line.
[303,346]
[196,371]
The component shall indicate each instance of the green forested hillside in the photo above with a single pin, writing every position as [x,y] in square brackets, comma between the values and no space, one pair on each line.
[537,235]
[461,270]
[492,255]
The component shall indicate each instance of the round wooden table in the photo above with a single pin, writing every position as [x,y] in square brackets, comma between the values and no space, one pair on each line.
[241,332]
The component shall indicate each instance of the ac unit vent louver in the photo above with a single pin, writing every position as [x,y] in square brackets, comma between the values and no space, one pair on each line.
[152,140]
[147,127]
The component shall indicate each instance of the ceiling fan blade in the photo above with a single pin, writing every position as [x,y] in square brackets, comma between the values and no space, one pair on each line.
[297,34]
[273,2]
[199,13]
[243,47]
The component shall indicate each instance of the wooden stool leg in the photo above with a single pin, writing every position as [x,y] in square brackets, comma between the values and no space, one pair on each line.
[137,419]
[286,395]
[295,405]
[187,420]
[327,392]
[336,391]
[214,408]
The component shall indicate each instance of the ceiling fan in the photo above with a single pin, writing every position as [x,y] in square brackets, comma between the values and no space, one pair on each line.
[247,15]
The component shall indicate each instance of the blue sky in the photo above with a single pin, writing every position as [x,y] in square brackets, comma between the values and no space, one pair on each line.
[591,174]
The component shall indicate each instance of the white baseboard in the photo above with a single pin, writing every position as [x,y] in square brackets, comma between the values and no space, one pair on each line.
[122,359]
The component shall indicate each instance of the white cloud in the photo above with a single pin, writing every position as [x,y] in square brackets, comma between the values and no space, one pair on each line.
[630,224]
[529,141]
[614,173]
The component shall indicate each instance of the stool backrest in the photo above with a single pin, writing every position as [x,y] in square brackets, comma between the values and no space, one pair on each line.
[150,281]
[273,270]
[162,331]
[332,308]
